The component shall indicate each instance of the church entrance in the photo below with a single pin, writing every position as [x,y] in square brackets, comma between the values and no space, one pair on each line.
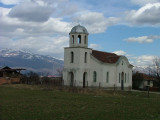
[71,79]
[122,81]
[84,79]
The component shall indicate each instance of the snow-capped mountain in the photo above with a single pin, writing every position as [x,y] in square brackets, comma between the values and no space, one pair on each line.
[32,62]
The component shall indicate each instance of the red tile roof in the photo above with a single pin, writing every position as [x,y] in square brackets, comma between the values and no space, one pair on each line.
[105,56]
[147,77]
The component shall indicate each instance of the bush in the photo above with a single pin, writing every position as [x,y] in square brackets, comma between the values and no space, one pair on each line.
[30,78]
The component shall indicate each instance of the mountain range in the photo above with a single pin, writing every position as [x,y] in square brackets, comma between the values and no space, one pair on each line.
[41,64]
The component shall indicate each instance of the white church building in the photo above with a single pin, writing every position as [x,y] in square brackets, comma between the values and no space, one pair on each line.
[85,67]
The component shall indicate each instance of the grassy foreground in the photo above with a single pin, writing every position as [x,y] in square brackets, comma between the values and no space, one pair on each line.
[21,102]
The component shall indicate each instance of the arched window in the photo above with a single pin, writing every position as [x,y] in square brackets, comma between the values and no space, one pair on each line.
[122,77]
[94,76]
[125,77]
[72,57]
[72,39]
[85,79]
[85,40]
[119,77]
[79,39]
[85,57]
[128,77]
[107,77]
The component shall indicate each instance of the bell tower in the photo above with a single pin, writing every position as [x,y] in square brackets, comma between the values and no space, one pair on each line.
[77,58]
[78,37]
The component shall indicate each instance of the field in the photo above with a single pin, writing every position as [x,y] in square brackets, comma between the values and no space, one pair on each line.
[26,102]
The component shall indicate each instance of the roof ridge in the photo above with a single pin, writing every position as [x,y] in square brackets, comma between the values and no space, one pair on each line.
[105,52]
[105,57]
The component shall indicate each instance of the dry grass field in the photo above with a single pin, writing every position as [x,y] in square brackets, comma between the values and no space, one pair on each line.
[27,102]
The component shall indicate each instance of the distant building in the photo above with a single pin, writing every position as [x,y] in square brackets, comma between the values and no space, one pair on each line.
[141,81]
[85,67]
[9,76]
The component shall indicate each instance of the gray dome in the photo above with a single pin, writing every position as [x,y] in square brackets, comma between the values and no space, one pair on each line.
[79,29]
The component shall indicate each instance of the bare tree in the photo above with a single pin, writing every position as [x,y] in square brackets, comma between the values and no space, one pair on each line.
[155,69]
[60,72]
[156,66]
[33,78]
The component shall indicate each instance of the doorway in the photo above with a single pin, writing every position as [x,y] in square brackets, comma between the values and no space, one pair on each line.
[71,79]
[84,79]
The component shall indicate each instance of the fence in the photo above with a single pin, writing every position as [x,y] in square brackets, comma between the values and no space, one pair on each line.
[56,81]
[35,80]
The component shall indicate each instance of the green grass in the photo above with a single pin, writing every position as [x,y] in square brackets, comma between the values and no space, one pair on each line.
[22,102]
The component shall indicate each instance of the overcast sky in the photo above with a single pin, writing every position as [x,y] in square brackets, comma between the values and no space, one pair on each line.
[125,27]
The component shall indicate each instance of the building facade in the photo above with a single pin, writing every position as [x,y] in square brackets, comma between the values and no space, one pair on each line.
[85,67]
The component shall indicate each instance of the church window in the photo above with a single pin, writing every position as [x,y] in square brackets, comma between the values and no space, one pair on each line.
[107,77]
[79,39]
[94,76]
[85,40]
[128,77]
[85,57]
[125,77]
[119,77]
[72,39]
[72,57]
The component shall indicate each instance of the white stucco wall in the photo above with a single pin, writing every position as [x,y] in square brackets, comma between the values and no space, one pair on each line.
[78,67]
[124,66]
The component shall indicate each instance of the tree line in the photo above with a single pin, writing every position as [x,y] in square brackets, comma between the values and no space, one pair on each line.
[33,78]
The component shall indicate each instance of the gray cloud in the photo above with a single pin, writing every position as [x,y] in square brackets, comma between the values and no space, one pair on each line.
[67,9]
[137,61]
[143,60]
[95,22]
[120,52]
[142,39]
[13,27]
[43,45]
[144,2]
[146,15]
[33,25]
[46,38]
[8,2]
[32,11]
[42,10]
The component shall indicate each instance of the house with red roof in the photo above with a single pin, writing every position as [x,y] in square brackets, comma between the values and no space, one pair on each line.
[85,67]
[142,81]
